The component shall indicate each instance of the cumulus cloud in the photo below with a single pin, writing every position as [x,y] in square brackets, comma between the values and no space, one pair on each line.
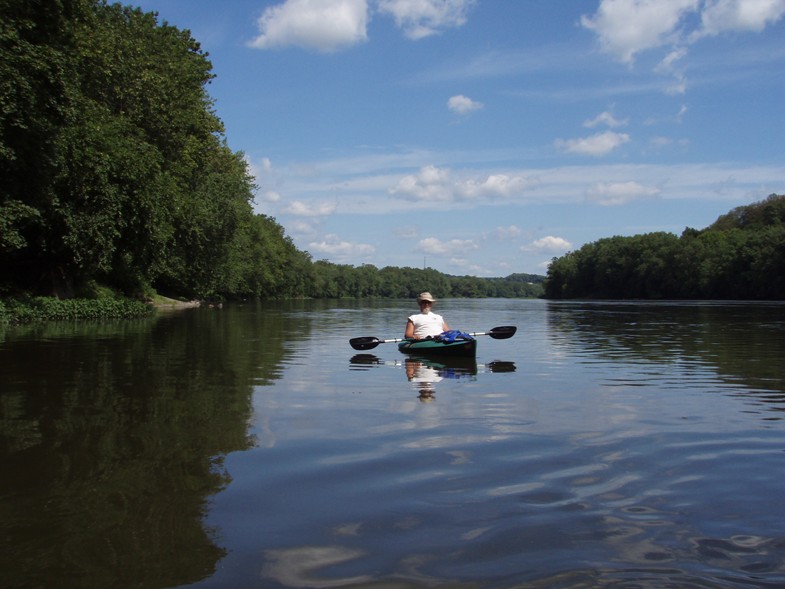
[627,27]
[495,185]
[462,105]
[333,245]
[437,184]
[597,145]
[619,193]
[324,25]
[423,18]
[452,247]
[430,184]
[739,15]
[302,209]
[549,244]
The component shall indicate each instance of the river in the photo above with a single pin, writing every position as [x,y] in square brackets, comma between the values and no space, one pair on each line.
[607,444]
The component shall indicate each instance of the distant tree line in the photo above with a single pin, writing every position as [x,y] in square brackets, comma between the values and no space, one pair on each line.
[328,280]
[740,256]
[116,173]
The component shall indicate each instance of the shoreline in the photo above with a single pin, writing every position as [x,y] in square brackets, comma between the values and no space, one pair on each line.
[161,303]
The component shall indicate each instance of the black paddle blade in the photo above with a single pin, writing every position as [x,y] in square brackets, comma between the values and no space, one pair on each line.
[364,343]
[503,332]
[501,366]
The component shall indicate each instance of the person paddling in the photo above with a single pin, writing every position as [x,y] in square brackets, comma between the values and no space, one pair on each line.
[426,323]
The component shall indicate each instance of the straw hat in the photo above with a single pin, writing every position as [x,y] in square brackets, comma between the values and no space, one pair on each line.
[425,296]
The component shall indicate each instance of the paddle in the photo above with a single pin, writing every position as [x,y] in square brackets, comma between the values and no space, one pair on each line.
[369,343]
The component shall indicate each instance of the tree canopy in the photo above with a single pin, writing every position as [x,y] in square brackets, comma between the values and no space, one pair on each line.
[116,172]
[115,166]
[740,256]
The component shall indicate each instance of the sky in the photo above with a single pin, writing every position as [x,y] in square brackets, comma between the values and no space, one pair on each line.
[486,137]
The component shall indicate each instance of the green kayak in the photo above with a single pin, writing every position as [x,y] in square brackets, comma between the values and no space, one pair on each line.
[460,348]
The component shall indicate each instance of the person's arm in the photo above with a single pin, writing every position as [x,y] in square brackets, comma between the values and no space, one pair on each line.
[409,332]
[445,327]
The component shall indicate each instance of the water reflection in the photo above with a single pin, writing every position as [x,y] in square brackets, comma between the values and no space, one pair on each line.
[740,344]
[424,374]
[112,441]
[606,460]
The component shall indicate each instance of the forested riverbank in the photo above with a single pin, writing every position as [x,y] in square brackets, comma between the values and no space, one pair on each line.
[119,185]
[741,256]
[119,182]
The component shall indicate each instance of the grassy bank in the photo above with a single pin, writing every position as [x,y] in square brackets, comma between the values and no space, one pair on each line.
[40,309]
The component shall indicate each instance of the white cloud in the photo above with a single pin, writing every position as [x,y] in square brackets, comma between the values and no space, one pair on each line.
[505,233]
[549,244]
[437,185]
[430,184]
[302,209]
[271,196]
[423,18]
[619,193]
[463,105]
[306,229]
[626,27]
[495,185]
[334,246]
[324,25]
[453,247]
[259,169]
[739,15]
[669,62]
[596,145]
[605,118]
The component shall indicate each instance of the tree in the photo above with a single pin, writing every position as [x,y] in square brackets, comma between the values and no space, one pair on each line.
[740,256]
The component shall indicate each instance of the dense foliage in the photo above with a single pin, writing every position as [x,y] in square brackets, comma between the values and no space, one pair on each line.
[38,309]
[116,172]
[740,256]
[328,280]
[114,164]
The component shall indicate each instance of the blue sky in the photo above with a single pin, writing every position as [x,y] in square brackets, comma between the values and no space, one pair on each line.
[485,137]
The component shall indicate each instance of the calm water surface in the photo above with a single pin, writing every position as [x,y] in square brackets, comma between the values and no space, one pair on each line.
[605,445]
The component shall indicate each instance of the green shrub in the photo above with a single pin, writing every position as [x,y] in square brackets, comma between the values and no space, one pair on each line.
[51,309]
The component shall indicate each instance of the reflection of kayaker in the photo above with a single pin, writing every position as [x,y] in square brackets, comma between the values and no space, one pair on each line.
[424,373]
[444,367]
[423,377]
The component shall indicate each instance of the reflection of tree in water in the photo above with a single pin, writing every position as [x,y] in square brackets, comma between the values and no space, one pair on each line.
[112,444]
[744,343]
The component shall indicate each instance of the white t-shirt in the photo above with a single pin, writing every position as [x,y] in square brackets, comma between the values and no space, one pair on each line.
[426,324]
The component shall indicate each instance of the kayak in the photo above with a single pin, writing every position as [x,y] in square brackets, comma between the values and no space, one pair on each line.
[460,348]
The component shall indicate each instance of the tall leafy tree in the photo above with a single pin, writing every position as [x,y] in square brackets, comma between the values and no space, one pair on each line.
[35,99]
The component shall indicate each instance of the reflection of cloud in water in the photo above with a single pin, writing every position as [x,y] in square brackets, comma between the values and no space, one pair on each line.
[299,567]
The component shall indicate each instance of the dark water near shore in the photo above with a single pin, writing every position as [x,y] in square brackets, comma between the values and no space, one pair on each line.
[605,445]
